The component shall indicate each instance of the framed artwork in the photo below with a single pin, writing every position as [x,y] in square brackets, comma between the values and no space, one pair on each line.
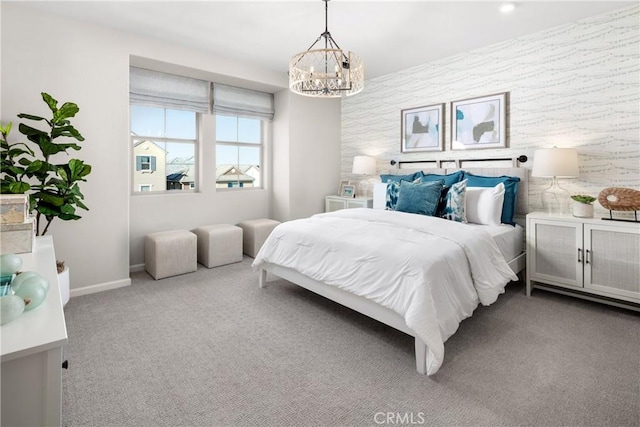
[348,191]
[421,129]
[479,123]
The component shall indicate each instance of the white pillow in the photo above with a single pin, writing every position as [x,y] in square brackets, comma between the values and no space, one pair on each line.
[380,195]
[483,205]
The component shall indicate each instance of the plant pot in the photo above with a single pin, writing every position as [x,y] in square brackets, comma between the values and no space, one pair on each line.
[582,210]
[63,281]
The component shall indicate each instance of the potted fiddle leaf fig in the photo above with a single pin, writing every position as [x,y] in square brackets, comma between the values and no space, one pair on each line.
[52,187]
[583,205]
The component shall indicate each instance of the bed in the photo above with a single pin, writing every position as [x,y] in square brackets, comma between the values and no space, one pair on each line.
[419,274]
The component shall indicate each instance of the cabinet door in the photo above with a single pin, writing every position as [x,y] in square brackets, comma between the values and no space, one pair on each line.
[333,204]
[612,260]
[556,252]
[356,203]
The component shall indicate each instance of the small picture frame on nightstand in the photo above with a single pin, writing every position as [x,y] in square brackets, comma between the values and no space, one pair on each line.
[342,184]
[348,191]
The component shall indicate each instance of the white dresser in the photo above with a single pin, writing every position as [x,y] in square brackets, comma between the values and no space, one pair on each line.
[32,351]
[586,257]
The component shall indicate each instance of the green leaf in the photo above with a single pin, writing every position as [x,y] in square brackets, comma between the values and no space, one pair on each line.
[29,131]
[68,131]
[51,102]
[49,198]
[19,187]
[30,117]
[68,109]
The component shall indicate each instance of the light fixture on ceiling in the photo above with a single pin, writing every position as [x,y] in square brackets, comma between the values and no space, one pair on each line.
[507,7]
[328,72]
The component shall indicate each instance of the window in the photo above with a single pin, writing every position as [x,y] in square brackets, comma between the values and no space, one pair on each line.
[239,143]
[164,144]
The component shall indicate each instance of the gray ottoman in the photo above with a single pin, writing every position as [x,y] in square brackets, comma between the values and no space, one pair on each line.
[219,244]
[254,233]
[169,253]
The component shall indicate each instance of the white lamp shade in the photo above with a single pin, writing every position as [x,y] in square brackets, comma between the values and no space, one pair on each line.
[364,165]
[558,162]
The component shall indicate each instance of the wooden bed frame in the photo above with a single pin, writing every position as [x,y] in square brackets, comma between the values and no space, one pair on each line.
[376,311]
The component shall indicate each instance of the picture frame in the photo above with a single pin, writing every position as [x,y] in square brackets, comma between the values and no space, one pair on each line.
[478,123]
[348,191]
[421,128]
[342,184]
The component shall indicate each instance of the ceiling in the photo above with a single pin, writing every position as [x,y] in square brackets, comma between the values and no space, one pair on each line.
[388,35]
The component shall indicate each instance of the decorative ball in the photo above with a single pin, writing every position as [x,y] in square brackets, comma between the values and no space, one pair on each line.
[33,290]
[9,264]
[22,277]
[11,307]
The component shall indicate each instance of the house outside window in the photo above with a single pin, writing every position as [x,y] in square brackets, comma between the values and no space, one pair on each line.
[239,147]
[164,144]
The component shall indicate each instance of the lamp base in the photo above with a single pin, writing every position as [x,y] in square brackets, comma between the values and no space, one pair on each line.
[555,199]
[365,188]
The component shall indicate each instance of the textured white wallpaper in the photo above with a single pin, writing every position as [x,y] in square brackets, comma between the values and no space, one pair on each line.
[577,85]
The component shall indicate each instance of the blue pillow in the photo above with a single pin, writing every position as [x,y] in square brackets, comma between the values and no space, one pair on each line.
[510,192]
[398,178]
[393,188]
[449,179]
[419,198]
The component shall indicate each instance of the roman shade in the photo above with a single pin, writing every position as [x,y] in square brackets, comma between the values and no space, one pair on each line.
[236,101]
[156,89]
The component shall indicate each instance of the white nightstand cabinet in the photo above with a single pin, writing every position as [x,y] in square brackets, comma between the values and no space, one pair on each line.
[334,203]
[595,259]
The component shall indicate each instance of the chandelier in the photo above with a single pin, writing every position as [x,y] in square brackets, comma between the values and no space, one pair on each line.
[327,72]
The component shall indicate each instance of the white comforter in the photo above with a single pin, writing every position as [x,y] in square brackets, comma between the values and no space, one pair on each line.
[431,271]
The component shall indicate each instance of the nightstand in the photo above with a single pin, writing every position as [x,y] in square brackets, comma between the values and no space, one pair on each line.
[584,257]
[334,203]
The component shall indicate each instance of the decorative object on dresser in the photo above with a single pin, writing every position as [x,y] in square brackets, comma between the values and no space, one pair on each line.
[620,199]
[328,72]
[584,257]
[16,226]
[555,163]
[479,122]
[582,205]
[364,165]
[421,129]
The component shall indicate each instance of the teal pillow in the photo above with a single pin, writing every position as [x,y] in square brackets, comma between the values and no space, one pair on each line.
[393,188]
[510,192]
[419,198]
[449,179]
[398,178]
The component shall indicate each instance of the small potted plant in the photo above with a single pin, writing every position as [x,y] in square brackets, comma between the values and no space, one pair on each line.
[583,205]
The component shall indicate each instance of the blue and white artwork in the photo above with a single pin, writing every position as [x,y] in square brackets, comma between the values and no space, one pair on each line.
[422,128]
[479,123]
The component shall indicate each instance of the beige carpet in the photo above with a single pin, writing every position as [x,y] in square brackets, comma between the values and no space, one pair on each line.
[212,349]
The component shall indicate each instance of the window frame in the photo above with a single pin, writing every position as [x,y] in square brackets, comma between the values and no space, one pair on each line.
[133,139]
[238,144]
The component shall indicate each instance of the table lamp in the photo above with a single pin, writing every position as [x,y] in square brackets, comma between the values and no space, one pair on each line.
[364,165]
[555,163]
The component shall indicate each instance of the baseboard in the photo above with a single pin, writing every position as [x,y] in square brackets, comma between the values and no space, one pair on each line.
[136,267]
[100,287]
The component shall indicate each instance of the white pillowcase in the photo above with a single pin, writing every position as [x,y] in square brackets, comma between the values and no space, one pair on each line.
[483,205]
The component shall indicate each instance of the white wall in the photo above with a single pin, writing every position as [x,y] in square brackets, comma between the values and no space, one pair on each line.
[576,85]
[311,137]
[89,65]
